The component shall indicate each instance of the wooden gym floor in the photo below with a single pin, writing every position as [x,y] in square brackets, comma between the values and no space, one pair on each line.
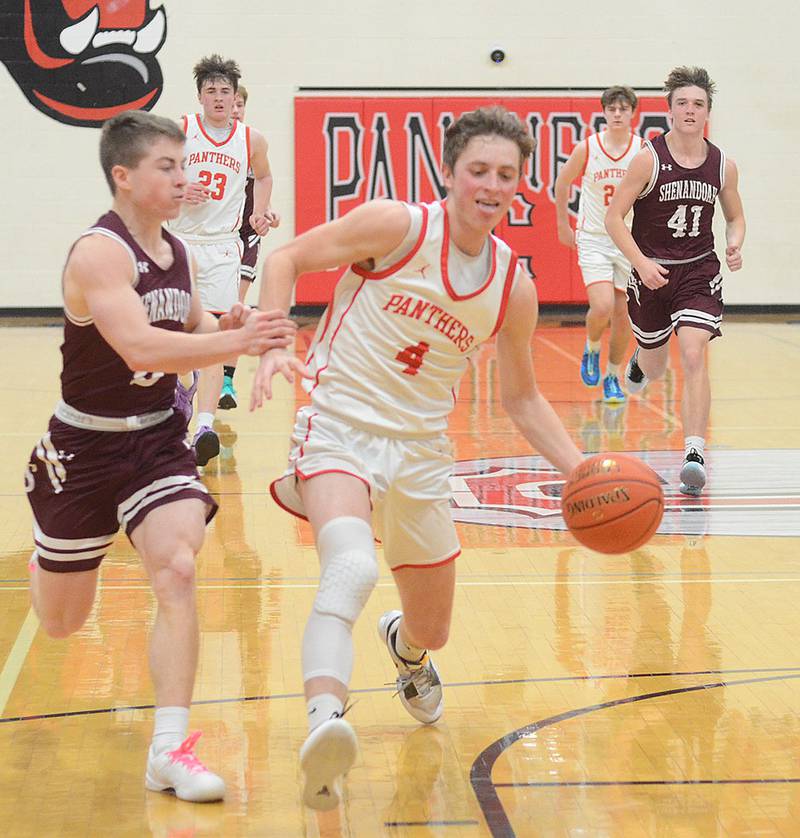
[655,693]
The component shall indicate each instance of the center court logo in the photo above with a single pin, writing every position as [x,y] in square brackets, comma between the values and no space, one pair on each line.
[750,493]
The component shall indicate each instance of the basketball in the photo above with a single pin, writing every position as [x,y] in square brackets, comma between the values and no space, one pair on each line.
[612,503]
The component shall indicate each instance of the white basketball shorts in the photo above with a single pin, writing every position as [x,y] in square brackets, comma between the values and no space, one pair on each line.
[600,260]
[408,481]
[217,273]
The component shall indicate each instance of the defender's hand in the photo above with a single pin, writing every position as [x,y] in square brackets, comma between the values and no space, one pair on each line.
[272,362]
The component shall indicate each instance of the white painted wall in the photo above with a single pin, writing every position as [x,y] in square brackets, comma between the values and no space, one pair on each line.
[53,186]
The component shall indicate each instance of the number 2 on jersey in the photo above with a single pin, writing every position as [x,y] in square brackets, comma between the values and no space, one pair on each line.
[608,193]
[412,357]
[678,221]
[220,179]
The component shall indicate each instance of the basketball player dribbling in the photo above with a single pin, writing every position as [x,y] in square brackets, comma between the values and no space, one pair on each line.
[251,244]
[114,454]
[676,285]
[219,152]
[427,284]
[601,161]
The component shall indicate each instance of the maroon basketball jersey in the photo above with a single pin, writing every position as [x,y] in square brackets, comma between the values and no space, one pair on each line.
[672,218]
[94,378]
[245,231]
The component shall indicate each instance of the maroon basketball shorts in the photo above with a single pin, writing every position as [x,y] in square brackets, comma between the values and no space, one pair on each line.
[247,270]
[692,297]
[83,485]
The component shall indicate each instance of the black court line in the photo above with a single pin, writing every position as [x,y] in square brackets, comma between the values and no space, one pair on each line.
[500,682]
[481,771]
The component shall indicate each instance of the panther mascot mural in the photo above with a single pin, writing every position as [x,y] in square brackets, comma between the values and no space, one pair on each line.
[81,62]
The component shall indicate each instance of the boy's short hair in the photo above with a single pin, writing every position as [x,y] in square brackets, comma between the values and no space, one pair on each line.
[689,77]
[241,90]
[126,138]
[493,120]
[216,67]
[619,93]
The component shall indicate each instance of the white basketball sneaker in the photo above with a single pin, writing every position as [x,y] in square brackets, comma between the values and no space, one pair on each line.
[182,772]
[326,756]
[418,684]
[693,474]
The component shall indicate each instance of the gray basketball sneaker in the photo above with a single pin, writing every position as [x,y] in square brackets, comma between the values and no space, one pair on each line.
[693,474]
[418,684]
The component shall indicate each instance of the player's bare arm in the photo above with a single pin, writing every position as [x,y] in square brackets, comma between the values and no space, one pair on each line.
[636,179]
[365,234]
[202,322]
[731,203]
[566,175]
[263,217]
[521,398]
[98,283]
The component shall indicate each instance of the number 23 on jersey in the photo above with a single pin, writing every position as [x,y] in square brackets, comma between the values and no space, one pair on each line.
[220,179]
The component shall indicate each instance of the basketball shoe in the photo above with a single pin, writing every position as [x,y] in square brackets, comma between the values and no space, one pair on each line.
[326,756]
[612,392]
[184,397]
[693,474]
[182,772]
[227,398]
[418,684]
[205,445]
[590,367]
[635,379]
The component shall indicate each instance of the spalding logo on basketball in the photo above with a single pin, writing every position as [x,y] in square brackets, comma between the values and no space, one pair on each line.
[749,492]
[82,61]
[612,503]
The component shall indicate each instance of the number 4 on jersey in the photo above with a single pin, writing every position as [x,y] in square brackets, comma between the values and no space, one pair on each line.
[412,357]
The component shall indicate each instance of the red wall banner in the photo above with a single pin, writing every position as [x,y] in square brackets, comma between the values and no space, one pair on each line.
[350,150]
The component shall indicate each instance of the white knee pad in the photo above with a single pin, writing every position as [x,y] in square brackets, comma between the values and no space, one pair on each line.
[349,572]
[349,568]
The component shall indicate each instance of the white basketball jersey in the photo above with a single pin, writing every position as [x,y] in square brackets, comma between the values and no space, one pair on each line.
[601,176]
[222,168]
[389,352]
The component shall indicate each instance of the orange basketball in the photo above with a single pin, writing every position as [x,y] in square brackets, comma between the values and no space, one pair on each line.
[612,503]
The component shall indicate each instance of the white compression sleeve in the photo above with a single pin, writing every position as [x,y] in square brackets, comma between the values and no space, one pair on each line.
[348,573]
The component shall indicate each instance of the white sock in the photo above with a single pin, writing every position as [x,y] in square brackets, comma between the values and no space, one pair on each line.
[696,442]
[410,654]
[321,707]
[593,345]
[205,419]
[171,727]
[612,369]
